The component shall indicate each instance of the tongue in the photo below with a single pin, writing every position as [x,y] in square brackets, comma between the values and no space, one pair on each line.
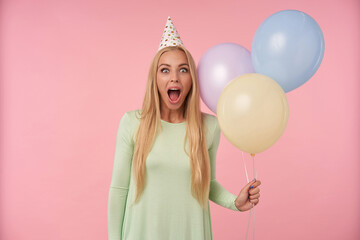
[174,94]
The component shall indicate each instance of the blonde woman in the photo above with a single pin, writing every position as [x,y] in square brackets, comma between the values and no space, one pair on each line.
[165,157]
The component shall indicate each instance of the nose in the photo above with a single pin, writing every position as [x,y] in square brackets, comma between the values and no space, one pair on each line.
[174,77]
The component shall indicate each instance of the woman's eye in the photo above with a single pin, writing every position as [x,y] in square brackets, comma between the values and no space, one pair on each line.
[185,70]
[164,70]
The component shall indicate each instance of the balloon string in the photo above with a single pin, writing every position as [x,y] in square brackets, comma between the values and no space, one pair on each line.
[255,174]
[253,205]
[252,210]
[247,228]
[247,178]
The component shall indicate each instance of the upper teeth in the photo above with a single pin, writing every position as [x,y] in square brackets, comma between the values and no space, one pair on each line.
[174,89]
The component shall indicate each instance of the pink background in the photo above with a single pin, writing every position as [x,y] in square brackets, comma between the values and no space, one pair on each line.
[70,69]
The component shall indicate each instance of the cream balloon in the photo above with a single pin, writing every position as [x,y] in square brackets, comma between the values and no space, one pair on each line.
[252,111]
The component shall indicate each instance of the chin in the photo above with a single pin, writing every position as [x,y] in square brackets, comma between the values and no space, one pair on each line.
[175,107]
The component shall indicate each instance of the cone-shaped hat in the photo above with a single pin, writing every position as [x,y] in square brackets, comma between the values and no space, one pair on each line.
[170,35]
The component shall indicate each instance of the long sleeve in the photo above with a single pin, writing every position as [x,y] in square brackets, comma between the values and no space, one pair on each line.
[120,178]
[218,194]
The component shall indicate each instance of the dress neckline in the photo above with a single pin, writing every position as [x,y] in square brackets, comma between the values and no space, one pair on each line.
[174,124]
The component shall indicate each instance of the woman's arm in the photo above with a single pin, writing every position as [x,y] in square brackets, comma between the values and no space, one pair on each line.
[120,178]
[218,194]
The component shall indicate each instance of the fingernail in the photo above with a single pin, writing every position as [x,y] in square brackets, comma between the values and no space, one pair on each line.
[252,187]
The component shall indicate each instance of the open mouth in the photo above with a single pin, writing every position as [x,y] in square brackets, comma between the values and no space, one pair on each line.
[174,95]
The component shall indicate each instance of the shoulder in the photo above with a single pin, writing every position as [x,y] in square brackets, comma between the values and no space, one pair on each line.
[129,123]
[130,119]
[210,121]
[132,115]
[212,130]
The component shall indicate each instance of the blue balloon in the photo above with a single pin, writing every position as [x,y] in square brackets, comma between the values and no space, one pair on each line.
[288,47]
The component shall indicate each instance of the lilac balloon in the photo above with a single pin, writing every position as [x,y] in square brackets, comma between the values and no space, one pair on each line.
[218,66]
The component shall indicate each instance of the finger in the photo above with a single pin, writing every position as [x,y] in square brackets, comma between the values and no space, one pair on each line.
[254,191]
[257,183]
[255,201]
[250,183]
[255,196]
[247,186]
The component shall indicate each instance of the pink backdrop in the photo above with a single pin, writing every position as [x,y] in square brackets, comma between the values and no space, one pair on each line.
[70,69]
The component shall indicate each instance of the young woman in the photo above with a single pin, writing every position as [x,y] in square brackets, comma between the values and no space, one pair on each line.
[165,157]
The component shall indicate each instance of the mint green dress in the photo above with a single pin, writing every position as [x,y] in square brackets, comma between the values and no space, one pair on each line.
[166,209]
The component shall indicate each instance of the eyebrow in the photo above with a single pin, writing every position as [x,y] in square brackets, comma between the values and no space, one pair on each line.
[183,64]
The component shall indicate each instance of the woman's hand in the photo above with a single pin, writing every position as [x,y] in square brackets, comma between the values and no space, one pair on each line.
[249,192]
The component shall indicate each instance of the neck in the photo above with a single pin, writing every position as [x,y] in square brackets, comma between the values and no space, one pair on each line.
[173,116]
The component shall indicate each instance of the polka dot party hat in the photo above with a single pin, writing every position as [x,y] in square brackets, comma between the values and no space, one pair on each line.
[170,36]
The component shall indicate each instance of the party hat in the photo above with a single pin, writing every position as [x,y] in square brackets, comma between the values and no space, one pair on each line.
[170,36]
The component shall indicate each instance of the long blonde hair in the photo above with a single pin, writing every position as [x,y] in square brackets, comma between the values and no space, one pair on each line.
[150,125]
